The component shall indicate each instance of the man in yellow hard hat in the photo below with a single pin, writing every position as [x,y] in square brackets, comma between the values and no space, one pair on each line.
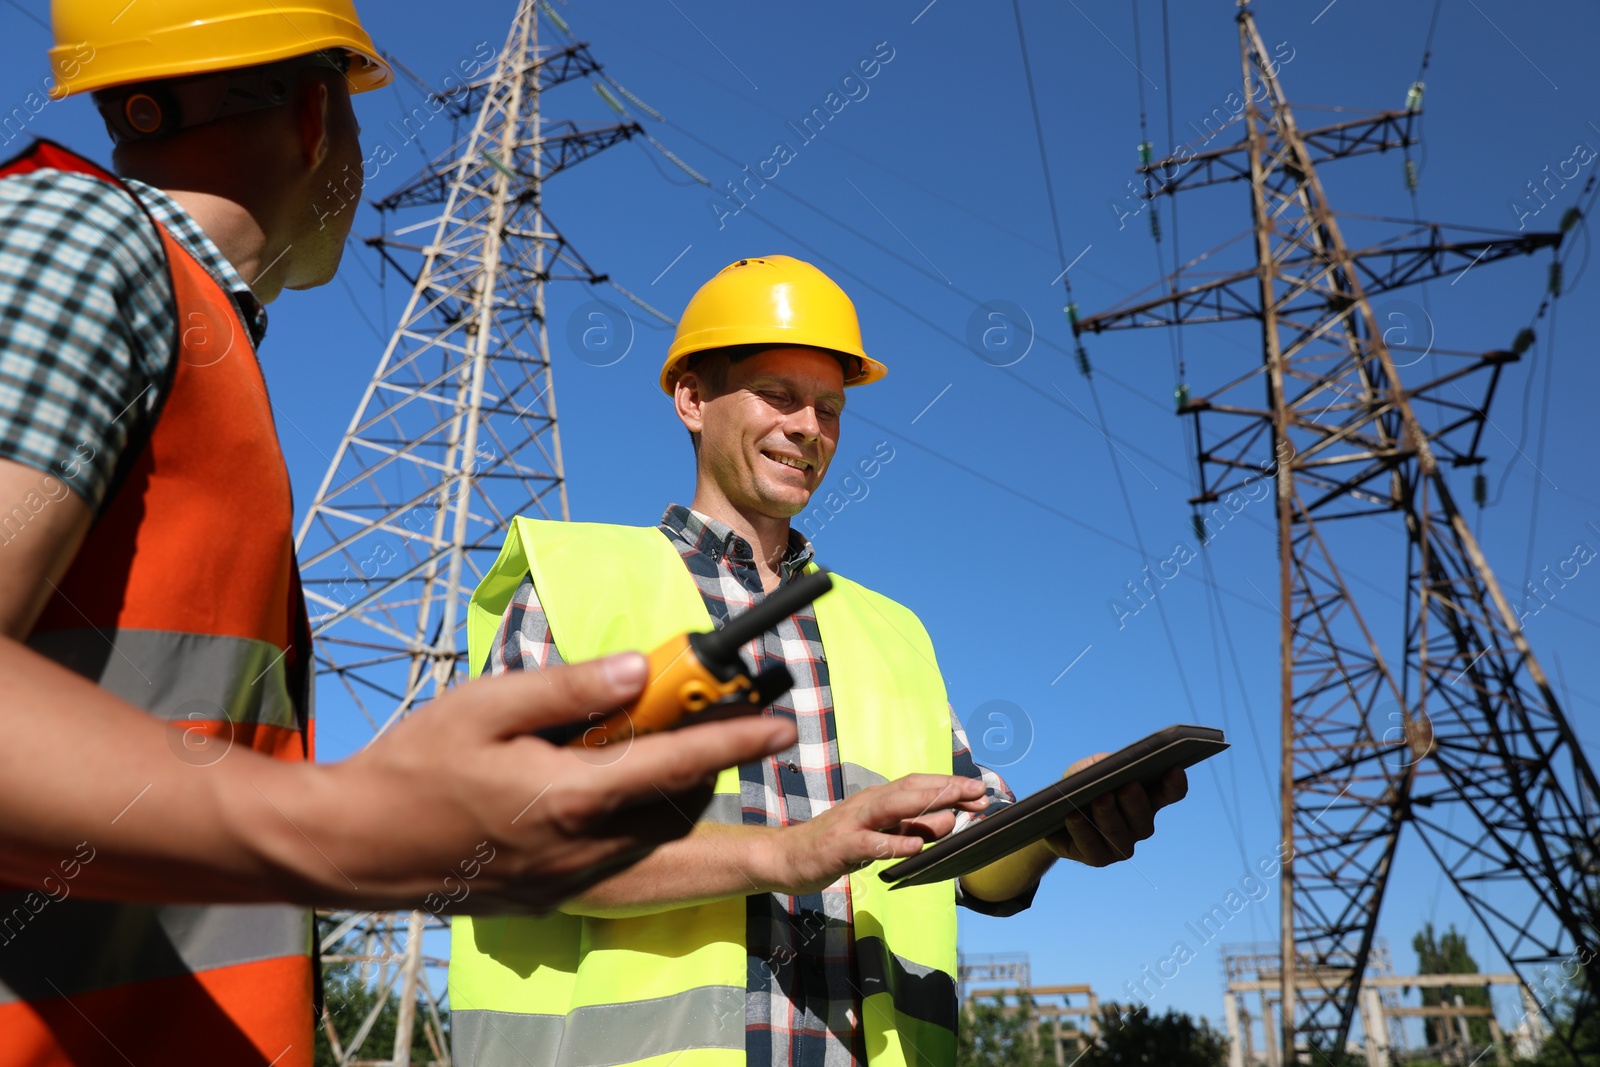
[765,936]
[147,578]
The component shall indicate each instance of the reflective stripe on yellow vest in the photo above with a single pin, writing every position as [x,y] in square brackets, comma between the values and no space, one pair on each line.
[571,991]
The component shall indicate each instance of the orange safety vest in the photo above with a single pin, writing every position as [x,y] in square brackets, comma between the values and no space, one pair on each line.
[184,600]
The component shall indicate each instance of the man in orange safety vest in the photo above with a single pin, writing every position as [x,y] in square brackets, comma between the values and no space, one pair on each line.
[154,902]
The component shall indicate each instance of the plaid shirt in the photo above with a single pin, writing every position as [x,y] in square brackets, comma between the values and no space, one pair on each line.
[88,319]
[802,1001]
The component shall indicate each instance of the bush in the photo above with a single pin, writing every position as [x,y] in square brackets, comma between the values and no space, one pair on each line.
[1134,1036]
[993,1035]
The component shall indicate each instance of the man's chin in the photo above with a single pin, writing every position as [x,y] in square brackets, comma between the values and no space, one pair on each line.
[785,503]
[302,284]
[319,274]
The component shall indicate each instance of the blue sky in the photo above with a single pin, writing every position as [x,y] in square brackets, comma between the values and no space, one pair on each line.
[1000,518]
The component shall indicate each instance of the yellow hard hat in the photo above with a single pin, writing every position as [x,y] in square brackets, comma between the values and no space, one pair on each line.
[770,300]
[103,43]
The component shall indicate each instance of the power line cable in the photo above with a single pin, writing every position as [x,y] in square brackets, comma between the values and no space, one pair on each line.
[904,260]
[1044,160]
[1166,623]
[1575,218]
[1177,259]
[29,15]
[947,287]
[1427,44]
[1538,459]
[1116,464]
[1413,168]
[1181,396]
[1149,196]
[1238,674]
[1227,726]
[960,342]
[696,72]
[1179,367]
[1180,373]
[1180,377]
[991,481]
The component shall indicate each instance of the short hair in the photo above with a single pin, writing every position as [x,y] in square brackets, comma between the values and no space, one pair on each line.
[712,364]
[711,367]
[155,110]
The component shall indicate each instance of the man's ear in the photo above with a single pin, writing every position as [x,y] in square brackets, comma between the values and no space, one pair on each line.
[313,112]
[689,398]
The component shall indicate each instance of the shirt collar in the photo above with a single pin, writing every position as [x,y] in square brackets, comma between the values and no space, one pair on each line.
[198,244]
[718,540]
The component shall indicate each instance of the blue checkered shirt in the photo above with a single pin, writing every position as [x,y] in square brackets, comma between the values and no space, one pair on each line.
[87,323]
[802,995]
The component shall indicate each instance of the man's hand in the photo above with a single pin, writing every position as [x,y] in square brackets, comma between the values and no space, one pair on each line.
[883,822]
[457,808]
[416,803]
[889,821]
[1119,819]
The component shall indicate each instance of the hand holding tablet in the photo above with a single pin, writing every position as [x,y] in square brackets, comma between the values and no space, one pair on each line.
[1111,826]
[1045,813]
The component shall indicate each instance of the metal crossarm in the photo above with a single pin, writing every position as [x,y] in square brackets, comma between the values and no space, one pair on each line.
[1435,715]
[455,435]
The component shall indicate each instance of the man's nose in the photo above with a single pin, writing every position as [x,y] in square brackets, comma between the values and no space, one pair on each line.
[803,424]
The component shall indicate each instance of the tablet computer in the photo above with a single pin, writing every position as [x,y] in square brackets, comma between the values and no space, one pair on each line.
[1046,811]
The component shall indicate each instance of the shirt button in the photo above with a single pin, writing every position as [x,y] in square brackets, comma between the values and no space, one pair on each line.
[792,765]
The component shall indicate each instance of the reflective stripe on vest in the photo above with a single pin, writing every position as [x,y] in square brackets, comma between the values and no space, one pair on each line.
[184,600]
[571,991]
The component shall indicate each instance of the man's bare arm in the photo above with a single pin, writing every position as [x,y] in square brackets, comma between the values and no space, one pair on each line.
[36,546]
[883,822]
[380,830]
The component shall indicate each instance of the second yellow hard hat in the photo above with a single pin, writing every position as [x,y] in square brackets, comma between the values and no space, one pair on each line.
[776,300]
[103,43]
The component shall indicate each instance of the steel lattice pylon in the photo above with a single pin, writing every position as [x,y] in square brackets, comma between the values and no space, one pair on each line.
[1476,729]
[456,434]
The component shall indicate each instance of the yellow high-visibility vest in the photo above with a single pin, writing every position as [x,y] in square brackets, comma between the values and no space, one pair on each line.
[669,988]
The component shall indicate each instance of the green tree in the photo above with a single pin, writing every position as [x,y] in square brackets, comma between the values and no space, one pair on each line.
[1130,1036]
[1574,1001]
[349,999]
[1447,954]
[994,1034]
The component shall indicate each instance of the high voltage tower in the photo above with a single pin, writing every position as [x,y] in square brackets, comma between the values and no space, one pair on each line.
[455,435]
[1478,760]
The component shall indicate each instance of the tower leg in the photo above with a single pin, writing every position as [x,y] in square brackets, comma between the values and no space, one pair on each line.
[1230,1013]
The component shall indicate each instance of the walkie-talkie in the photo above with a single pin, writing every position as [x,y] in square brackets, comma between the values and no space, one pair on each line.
[695,671]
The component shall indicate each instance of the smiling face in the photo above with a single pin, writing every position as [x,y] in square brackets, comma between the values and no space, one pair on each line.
[767,431]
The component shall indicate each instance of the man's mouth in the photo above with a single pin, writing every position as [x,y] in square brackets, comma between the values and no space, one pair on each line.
[801,465]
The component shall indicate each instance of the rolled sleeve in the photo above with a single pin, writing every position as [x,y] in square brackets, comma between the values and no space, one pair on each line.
[1000,797]
[524,643]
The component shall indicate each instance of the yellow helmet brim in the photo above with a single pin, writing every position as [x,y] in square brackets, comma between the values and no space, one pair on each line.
[86,59]
[770,300]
